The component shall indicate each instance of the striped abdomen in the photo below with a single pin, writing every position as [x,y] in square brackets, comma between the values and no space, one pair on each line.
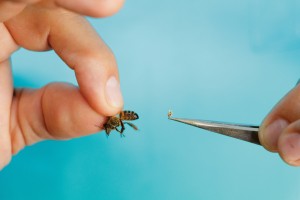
[128,115]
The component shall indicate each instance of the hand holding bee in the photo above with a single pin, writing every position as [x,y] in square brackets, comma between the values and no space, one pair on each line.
[57,110]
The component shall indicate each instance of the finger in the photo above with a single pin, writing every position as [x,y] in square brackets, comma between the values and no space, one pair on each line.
[9,9]
[75,41]
[56,111]
[7,47]
[6,93]
[285,112]
[23,1]
[93,62]
[7,44]
[289,144]
[94,8]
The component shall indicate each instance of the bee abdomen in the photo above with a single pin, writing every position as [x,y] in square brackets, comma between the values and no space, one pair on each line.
[128,115]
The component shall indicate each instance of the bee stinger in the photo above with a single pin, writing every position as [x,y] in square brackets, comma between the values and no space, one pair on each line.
[170,113]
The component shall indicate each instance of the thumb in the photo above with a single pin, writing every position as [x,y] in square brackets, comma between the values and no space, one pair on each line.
[280,131]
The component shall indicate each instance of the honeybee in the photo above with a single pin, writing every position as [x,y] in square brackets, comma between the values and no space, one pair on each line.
[115,121]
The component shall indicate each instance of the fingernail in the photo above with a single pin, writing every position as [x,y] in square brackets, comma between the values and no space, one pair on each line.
[290,148]
[270,134]
[113,92]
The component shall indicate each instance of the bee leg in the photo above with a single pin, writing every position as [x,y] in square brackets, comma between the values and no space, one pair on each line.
[121,132]
[107,131]
[123,127]
[118,130]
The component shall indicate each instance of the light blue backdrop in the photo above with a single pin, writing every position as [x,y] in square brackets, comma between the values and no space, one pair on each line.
[221,60]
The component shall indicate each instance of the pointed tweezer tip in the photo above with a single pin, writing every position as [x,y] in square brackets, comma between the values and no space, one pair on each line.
[185,121]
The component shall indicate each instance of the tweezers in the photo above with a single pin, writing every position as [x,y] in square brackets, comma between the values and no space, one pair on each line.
[247,133]
[244,132]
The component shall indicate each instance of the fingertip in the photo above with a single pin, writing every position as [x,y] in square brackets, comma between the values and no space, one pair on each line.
[113,93]
[106,8]
[289,144]
[269,133]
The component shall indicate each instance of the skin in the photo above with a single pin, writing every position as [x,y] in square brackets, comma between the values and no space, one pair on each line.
[63,111]
[57,110]
[284,138]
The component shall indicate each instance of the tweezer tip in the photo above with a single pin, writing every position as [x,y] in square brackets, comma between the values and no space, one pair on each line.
[185,121]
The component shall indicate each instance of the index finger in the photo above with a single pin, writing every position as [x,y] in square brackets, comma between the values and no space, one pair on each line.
[76,42]
[93,8]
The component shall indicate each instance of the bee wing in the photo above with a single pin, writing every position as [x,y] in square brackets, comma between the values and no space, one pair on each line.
[132,125]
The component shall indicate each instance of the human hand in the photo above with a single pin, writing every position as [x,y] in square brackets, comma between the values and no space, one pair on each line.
[58,110]
[280,131]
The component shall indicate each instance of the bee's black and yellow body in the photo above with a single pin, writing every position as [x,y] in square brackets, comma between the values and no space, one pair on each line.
[128,115]
[114,122]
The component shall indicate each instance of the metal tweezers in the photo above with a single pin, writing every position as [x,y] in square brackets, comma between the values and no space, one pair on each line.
[247,133]
[244,132]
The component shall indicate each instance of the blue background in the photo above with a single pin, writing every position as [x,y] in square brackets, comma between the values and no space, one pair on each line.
[220,60]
